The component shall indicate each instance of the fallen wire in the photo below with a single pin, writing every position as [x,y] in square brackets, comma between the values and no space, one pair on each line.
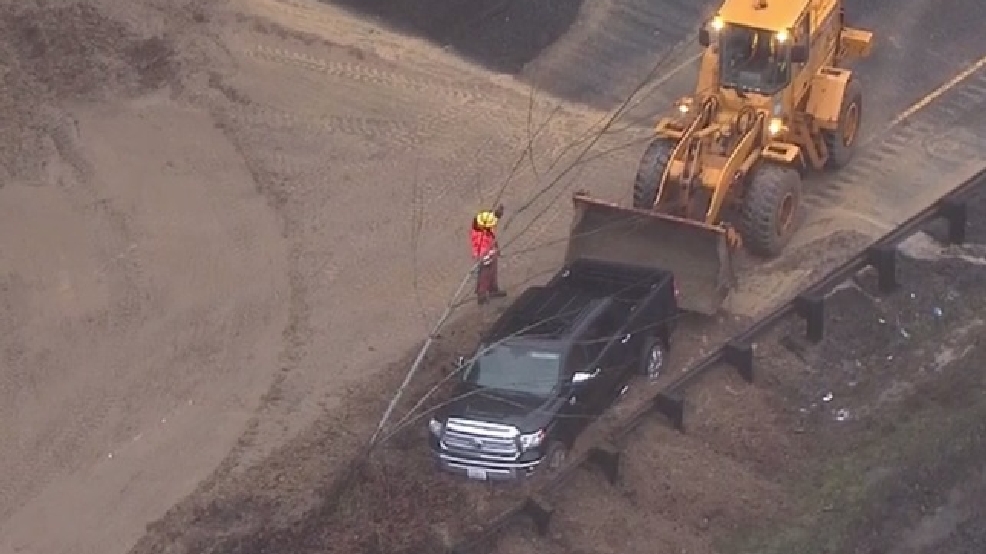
[607,124]
[412,417]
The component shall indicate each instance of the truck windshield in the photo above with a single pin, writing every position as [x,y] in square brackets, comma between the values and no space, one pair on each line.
[517,369]
[752,60]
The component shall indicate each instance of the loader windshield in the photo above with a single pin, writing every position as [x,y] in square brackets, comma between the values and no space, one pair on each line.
[752,60]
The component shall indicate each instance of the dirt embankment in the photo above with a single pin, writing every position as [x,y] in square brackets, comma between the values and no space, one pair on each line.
[64,54]
[870,441]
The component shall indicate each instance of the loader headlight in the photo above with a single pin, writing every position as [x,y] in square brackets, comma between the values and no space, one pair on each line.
[782,36]
[717,23]
[684,105]
[775,126]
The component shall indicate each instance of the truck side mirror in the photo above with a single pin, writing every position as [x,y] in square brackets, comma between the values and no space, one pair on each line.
[704,38]
[799,53]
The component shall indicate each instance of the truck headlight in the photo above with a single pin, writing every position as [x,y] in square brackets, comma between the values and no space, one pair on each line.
[532,440]
[435,427]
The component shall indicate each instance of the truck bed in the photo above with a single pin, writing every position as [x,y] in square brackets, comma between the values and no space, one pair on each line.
[603,279]
[553,309]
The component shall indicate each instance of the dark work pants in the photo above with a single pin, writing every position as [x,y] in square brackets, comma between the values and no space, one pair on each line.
[486,281]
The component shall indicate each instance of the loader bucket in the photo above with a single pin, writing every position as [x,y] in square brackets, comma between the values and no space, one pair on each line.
[697,254]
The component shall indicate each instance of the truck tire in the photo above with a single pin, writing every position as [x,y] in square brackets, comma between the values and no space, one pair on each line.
[650,172]
[653,357]
[555,457]
[841,142]
[770,209]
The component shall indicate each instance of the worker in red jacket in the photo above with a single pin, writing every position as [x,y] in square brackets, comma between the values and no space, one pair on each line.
[485,251]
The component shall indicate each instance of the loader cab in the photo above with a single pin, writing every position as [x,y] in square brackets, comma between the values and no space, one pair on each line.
[754,60]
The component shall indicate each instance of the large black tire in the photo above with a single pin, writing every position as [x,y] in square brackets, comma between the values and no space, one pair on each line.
[650,172]
[770,209]
[841,142]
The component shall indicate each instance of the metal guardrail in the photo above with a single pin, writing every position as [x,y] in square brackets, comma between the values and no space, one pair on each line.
[737,353]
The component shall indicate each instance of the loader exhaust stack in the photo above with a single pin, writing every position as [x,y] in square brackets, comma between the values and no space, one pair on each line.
[697,254]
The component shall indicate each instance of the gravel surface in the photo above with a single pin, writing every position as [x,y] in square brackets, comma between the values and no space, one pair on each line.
[227,226]
[871,441]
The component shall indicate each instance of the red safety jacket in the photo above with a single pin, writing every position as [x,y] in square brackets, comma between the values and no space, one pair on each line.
[483,240]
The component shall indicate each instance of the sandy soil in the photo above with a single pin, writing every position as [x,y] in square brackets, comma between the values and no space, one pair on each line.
[226,225]
[871,441]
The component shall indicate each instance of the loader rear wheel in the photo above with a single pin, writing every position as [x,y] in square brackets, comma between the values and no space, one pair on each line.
[650,172]
[770,209]
[841,142]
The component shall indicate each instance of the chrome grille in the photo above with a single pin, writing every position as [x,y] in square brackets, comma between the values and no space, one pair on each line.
[490,441]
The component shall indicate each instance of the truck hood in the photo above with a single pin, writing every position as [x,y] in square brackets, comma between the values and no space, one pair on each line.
[526,412]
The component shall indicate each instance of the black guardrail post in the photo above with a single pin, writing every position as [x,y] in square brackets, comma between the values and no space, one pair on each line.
[607,457]
[883,258]
[672,406]
[811,308]
[540,511]
[740,355]
[956,213]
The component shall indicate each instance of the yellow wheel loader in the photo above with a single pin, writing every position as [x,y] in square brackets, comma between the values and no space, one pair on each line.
[773,102]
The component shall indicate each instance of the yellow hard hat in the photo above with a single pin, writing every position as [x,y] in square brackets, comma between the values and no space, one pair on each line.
[486,220]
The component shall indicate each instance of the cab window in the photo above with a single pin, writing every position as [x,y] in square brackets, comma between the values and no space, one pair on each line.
[753,60]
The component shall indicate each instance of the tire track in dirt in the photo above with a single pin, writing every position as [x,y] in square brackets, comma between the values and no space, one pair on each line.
[449,162]
[920,136]
[370,75]
[612,46]
[124,263]
[396,136]
[402,134]
[120,266]
[300,185]
[298,181]
[266,428]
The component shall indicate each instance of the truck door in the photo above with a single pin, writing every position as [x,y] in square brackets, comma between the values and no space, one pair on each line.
[606,350]
[589,350]
[622,353]
[579,410]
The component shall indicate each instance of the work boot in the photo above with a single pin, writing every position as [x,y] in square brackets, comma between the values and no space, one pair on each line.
[482,298]
[497,293]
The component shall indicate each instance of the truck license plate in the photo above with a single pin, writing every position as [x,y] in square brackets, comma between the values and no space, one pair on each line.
[476,473]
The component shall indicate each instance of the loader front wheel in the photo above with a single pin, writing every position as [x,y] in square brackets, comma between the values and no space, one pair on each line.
[841,142]
[650,173]
[770,209]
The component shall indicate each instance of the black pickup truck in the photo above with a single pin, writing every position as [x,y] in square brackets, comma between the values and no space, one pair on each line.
[560,355]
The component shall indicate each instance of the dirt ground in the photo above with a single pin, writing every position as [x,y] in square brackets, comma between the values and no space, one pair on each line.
[227,225]
[871,441]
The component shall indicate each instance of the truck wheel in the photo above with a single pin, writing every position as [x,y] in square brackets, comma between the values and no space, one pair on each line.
[555,457]
[650,172]
[841,142]
[770,209]
[653,357]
